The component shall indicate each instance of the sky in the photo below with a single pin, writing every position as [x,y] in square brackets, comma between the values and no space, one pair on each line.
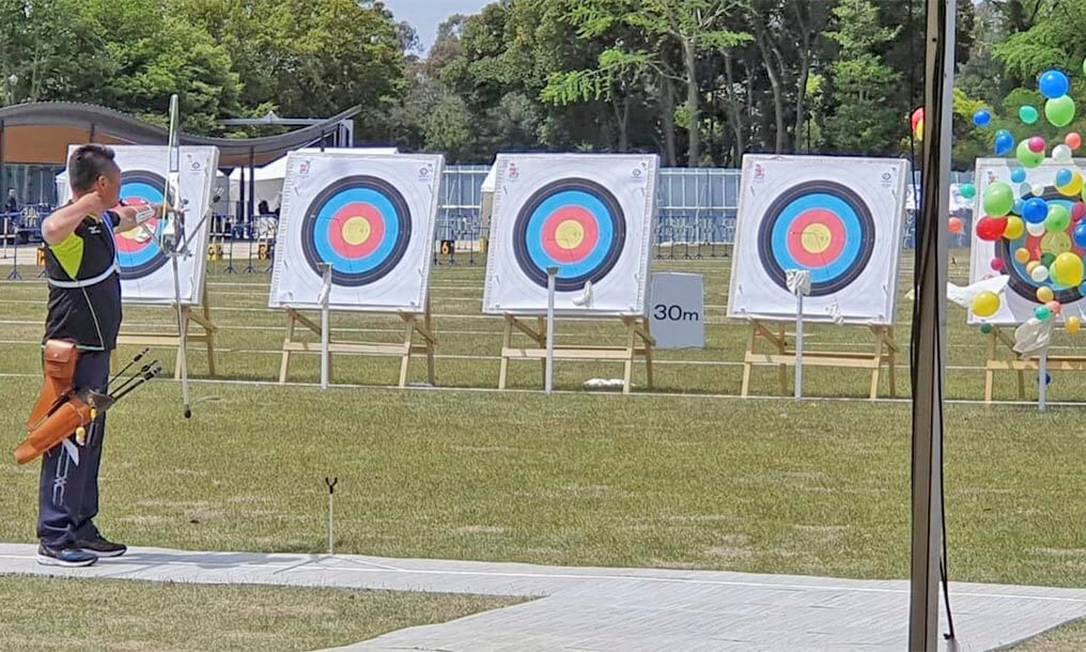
[426,15]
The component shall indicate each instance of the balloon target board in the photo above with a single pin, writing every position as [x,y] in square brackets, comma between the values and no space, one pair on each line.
[590,217]
[839,218]
[370,217]
[1019,299]
[146,275]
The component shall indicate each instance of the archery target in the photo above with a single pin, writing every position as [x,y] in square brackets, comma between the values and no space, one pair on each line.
[371,218]
[145,275]
[1019,299]
[839,218]
[588,216]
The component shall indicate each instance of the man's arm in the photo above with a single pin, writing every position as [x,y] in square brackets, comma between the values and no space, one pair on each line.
[63,222]
[133,216]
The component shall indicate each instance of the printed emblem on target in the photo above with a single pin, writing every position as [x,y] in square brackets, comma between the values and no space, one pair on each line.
[361,225]
[821,226]
[138,252]
[575,225]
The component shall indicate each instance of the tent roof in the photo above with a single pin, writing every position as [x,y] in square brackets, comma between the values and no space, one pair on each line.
[277,169]
[40,132]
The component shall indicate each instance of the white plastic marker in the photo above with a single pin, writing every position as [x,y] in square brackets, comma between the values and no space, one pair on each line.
[552,277]
[1034,336]
[326,291]
[799,284]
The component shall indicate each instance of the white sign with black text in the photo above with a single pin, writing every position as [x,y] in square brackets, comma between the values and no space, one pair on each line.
[678,310]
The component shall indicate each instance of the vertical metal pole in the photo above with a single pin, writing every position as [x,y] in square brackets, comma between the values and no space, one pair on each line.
[326,291]
[552,276]
[799,345]
[1042,381]
[929,332]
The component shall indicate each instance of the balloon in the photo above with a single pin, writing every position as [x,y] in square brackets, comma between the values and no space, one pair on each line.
[1079,235]
[1018,205]
[982,118]
[1054,83]
[1035,210]
[1038,190]
[1073,188]
[1063,176]
[1030,266]
[1047,259]
[968,191]
[991,228]
[1027,157]
[1055,306]
[1028,114]
[1068,269]
[955,225]
[1044,294]
[1078,211]
[1015,228]
[1004,142]
[1073,140]
[1039,274]
[997,264]
[1062,153]
[1018,175]
[1074,325]
[1060,111]
[986,304]
[1036,145]
[1058,219]
[1022,255]
[917,117]
[1035,230]
[998,199]
[985,328]
[1043,313]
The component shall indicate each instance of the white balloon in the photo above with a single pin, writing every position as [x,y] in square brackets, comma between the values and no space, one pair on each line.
[1039,274]
[1038,190]
[1037,229]
[1061,153]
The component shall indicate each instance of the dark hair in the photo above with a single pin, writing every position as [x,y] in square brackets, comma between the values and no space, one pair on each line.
[87,164]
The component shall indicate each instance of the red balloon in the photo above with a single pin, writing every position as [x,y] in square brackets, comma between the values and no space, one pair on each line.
[1036,144]
[1078,211]
[991,228]
[956,225]
[918,115]
[997,264]
[1073,140]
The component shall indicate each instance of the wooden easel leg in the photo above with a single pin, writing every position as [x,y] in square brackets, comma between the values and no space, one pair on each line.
[989,373]
[880,343]
[210,331]
[748,366]
[648,357]
[285,364]
[431,371]
[405,362]
[631,341]
[782,371]
[507,341]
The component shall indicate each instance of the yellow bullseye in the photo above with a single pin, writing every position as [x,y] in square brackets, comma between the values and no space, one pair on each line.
[356,230]
[816,238]
[569,234]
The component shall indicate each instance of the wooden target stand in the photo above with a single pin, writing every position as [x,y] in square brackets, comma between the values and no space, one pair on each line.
[415,325]
[884,352]
[190,315]
[639,344]
[998,340]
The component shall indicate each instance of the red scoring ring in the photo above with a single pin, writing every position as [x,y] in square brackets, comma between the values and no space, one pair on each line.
[813,259]
[570,214]
[136,240]
[377,230]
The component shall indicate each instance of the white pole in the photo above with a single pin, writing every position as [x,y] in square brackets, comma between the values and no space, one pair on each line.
[799,345]
[552,276]
[326,291]
[1042,381]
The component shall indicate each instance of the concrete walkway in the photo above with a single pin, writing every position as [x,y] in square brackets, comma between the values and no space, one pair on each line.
[614,609]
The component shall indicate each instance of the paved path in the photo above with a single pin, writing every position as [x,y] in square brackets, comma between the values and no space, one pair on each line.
[612,609]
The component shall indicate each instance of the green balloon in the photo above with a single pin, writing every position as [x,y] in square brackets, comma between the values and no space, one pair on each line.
[1028,114]
[1042,313]
[1027,157]
[1048,259]
[969,191]
[985,328]
[998,199]
[1060,111]
[1059,218]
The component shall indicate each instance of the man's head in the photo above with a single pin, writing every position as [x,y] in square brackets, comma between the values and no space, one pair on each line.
[92,169]
[11,192]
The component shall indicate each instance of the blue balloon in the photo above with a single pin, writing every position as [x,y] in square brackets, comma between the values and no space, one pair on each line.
[1064,177]
[982,118]
[1082,289]
[1004,142]
[1018,175]
[1019,204]
[1054,84]
[1035,210]
[1079,236]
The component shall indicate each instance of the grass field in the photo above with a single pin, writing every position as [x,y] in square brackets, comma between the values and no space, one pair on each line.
[819,487]
[119,615]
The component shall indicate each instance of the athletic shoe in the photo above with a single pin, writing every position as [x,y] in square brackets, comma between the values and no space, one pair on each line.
[101,547]
[69,557]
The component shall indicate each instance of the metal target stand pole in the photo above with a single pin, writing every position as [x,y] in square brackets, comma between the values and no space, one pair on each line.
[326,291]
[552,277]
[1042,381]
[799,282]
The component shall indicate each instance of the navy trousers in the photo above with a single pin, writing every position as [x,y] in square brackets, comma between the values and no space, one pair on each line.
[68,491]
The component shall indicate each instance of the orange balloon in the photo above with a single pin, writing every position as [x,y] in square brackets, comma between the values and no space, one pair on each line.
[956,225]
[1022,255]
[1073,140]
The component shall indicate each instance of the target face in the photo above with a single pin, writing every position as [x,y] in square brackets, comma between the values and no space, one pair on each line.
[821,226]
[1054,243]
[361,225]
[138,252]
[575,225]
